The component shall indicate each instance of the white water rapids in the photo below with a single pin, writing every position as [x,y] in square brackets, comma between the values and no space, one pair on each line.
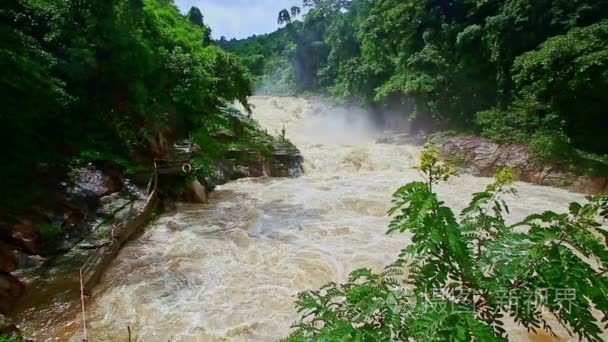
[230,270]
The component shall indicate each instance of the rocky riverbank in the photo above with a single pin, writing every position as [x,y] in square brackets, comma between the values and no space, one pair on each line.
[99,209]
[229,270]
[248,151]
[41,233]
[482,157]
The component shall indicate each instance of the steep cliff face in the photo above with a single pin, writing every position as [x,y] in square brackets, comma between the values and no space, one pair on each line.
[482,157]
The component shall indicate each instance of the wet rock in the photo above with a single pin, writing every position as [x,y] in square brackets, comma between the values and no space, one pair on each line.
[590,185]
[25,261]
[558,178]
[196,193]
[91,183]
[286,160]
[10,290]
[8,260]
[92,180]
[483,158]
[256,164]
[221,174]
[283,160]
[7,327]
[72,219]
[174,226]
[24,235]
[286,165]
[479,154]
[240,171]
[537,176]
[128,221]
[108,205]
[56,226]
[258,168]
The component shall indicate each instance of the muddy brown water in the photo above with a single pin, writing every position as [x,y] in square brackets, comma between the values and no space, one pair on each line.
[229,270]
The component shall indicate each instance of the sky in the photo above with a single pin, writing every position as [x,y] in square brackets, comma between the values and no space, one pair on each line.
[239,18]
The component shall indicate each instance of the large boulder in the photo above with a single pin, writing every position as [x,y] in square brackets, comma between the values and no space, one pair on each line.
[91,183]
[285,161]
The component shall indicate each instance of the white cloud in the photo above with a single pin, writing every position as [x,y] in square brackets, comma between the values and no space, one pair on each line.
[239,18]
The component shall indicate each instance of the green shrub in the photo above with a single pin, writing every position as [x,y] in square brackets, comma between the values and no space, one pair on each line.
[503,126]
[156,78]
[461,275]
[567,75]
[49,232]
[552,147]
[11,338]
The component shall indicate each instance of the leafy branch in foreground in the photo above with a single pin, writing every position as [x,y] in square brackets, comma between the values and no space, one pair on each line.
[461,276]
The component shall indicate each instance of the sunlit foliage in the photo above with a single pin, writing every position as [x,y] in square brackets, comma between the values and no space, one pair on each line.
[107,76]
[462,275]
[514,70]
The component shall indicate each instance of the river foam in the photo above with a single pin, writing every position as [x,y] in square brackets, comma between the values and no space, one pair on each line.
[230,270]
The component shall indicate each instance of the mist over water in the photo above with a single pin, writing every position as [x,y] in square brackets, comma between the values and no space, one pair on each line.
[230,270]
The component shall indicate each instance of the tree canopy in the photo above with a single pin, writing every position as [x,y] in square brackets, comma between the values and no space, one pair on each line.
[492,67]
[284,17]
[107,77]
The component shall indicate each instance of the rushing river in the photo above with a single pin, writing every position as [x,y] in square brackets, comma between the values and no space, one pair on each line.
[230,270]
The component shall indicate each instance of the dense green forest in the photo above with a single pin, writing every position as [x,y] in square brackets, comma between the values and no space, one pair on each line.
[532,72]
[119,81]
[90,80]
